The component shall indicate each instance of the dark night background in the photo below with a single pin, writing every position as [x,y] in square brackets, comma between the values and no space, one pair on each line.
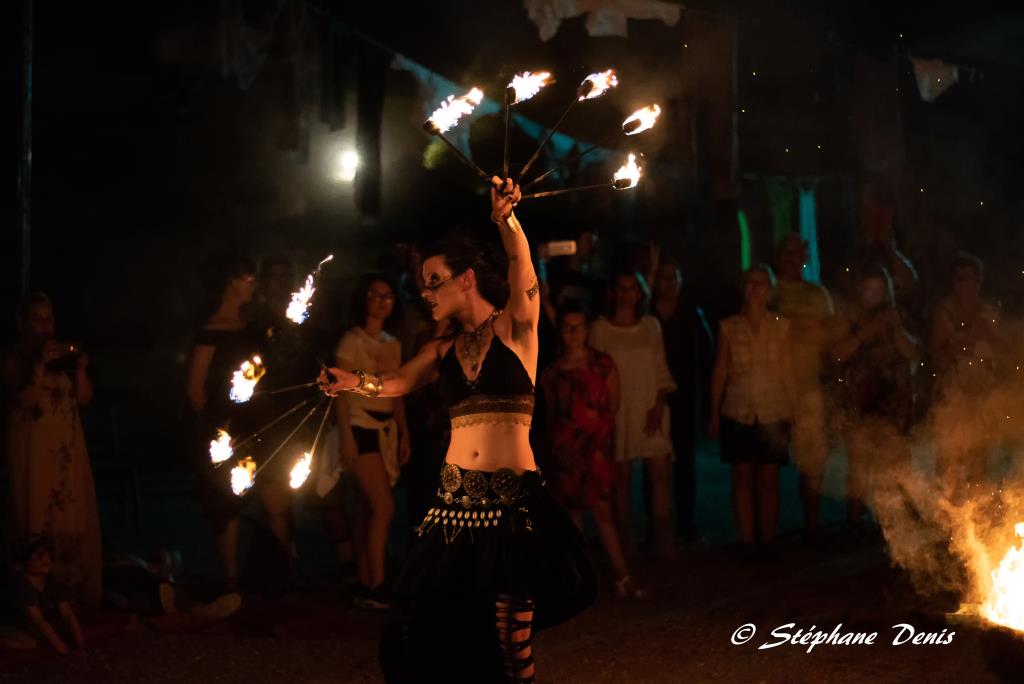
[149,157]
[146,159]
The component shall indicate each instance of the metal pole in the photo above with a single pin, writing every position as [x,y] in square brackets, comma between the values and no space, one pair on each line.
[25,165]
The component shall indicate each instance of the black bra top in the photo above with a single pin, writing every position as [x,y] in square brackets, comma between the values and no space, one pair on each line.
[502,386]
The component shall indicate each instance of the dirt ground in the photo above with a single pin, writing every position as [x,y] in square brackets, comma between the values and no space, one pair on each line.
[682,633]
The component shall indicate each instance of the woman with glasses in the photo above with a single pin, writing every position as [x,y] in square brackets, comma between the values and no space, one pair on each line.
[376,442]
[495,557]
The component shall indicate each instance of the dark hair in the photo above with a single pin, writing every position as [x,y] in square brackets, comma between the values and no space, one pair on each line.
[967,260]
[571,306]
[357,311]
[790,238]
[276,262]
[641,284]
[875,271]
[490,265]
[219,271]
[32,299]
[763,268]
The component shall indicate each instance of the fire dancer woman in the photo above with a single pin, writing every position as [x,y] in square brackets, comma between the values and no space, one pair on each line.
[496,558]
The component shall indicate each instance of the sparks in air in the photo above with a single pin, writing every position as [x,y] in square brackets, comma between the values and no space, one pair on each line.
[298,308]
[527,84]
[641,120]
[454,108]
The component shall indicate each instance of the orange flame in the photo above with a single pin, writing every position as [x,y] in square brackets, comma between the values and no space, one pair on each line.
[645,119]
[301,470]
[243,382]
[630,171]
[298,308]
[1005,604]
[243,475]
[599,83]
[220,448]
[454,108]
[527,84]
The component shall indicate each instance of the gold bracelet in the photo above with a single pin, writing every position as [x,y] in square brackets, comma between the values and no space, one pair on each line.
[372,387]
[369,385]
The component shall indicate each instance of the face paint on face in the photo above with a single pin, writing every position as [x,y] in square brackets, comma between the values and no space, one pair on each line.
[439,290]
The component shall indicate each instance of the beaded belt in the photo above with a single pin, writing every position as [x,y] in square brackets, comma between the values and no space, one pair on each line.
[473,499]
[479,489]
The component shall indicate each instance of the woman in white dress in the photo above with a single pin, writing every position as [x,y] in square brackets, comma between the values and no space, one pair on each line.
[633,339]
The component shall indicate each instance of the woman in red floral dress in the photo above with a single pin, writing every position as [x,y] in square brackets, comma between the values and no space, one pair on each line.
[581,392]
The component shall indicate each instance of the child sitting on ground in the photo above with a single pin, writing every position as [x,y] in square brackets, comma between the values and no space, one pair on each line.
[40,604]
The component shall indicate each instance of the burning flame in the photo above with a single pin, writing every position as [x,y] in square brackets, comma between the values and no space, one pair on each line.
[220,448]
[243,382]
[298,308]
[527,84]
[243,475]
[600,82]
[1005,604]
[300,471]
[454,108]
[644,120]
[630,171]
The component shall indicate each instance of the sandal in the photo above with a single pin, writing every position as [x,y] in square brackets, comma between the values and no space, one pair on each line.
[627,588]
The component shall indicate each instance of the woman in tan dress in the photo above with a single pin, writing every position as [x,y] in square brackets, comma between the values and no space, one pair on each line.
[49,477]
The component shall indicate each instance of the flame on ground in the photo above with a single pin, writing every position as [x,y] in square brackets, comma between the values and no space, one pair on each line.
[630,171]
[301,470]
[1005,604]
[646,118]
[243,475]
[243,382]
[220,448]
[454,108]
[528,84]
[600,82]
[298,308]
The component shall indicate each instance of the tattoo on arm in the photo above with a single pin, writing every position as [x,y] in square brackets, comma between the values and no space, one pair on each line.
[513,258]
[534,289]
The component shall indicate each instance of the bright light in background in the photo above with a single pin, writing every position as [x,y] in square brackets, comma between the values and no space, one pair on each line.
[345,166]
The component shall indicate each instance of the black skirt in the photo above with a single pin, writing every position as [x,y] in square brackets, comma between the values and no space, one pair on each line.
[760,443]
[488,535]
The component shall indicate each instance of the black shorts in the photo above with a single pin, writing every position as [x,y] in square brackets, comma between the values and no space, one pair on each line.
[766,443]
[367,440]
